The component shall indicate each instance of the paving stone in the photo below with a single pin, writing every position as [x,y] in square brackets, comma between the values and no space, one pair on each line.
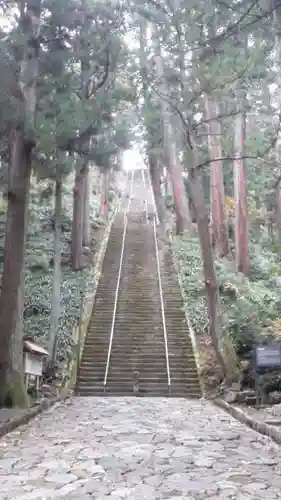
[60,478]
[138,448]
[54,465]
[38,494]
[96,487]
[92,469]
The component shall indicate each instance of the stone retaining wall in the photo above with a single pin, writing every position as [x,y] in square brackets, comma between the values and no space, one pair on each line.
[260,427]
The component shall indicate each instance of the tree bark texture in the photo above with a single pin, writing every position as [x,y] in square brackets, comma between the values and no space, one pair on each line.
[242,258]
[55,312]
[183,221]
[104,179]
[154,166]
[22,141]
[197,196]
[212,294]
[11,303]
[278,208]
[77,219]
[277,26]
[155,175]
[218,219]
[86,208]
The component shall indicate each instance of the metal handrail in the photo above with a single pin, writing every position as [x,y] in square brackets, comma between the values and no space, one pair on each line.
[118,285]
[162,304]
[156,221]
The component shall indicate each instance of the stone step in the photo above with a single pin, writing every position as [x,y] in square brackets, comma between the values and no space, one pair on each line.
[156,395]
[99,363]
[128,336]
[121,392]
[184,370]
[143,359]
[119,350]
[143,374]
[131,334]
[142,381]
[131,359]
[176,384]
[99,336]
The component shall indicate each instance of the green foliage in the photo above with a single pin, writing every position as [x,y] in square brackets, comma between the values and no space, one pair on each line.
[38,272]
[248,306]
[79,88]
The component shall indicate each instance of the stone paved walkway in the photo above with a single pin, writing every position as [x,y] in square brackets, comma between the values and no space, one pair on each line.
[138,449]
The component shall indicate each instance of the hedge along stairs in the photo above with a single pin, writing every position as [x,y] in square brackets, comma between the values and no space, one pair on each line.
[127,350]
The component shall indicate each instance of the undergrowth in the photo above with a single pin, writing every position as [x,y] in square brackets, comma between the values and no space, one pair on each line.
[250,307]
[39,268]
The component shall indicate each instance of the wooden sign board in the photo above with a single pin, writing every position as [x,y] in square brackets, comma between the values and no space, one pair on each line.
[268,356]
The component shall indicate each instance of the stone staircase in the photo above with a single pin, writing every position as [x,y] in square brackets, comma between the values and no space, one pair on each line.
[138,360]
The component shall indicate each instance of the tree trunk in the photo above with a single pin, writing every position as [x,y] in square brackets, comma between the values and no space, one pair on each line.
[155,175]
[86,209]
[198,200]
[104,193]
[277,32]
[278,208]
[154,166]
[219,228]
[197,196]
[167,186]
[12,392]
[77,219]
[240,193]
[183,221]
[55,312]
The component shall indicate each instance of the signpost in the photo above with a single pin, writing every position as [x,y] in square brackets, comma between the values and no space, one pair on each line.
[267,357]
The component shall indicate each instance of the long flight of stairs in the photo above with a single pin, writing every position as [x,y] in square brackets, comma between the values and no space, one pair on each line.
[138,362]
[138,342]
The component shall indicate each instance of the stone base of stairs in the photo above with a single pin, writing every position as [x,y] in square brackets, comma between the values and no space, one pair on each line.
[91,394]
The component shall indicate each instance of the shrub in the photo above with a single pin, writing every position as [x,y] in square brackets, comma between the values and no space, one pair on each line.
[248,306]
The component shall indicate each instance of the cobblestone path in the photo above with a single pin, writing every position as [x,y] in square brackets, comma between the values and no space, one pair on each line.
[138,449]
